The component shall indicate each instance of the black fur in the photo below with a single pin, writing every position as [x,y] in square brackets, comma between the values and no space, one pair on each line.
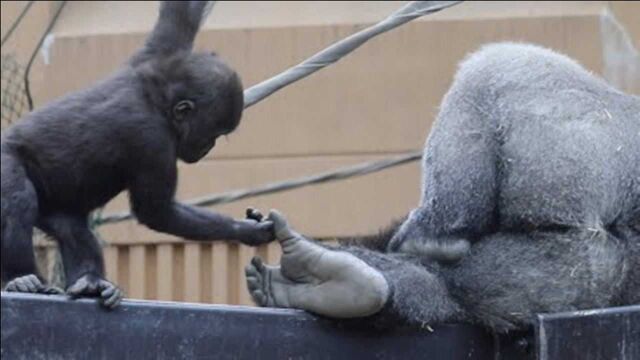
[73,155]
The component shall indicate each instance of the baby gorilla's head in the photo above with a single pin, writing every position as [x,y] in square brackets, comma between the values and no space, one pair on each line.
[201,97]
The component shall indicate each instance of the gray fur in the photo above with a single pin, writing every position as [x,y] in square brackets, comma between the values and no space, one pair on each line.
[526,139]
[531,199]
[536,163]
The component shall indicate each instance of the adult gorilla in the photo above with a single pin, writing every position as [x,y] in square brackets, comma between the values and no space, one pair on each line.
[531,203]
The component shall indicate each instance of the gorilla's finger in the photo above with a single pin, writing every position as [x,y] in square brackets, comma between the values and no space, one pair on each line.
[21,286]
[31,286]
[254,214]
[78,288]
[113,301]
[268,227]
[256,261]
[259,297]
[108,292]
[281,227]
[11,286]
[33,283]
[251,271]
[253,283]
[52,290]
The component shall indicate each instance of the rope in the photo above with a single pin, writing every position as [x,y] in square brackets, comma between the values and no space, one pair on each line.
[342,48]
[16,22]
[231,196]
[53,21]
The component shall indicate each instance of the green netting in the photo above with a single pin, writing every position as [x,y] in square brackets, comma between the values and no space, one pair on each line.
[13,96]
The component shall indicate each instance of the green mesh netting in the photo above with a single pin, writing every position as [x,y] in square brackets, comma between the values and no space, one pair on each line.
[13,95]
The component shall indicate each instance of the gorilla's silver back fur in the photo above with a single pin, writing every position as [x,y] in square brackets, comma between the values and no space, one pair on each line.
[535,143]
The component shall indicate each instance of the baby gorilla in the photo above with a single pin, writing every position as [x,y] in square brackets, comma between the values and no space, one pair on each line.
[70,157]
[530,204]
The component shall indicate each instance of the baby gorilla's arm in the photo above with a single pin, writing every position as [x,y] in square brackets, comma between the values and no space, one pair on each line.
[349,282]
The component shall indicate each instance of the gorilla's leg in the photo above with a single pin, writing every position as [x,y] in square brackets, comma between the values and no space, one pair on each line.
[315,278]
[82,258]
[459,182]
[507,278]
[349,282]
[19,213]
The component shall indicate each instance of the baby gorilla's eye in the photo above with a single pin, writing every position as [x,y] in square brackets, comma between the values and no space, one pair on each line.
[183,108]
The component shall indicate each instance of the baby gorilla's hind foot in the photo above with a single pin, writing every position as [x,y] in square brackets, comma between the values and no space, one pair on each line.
[314,278]
[31,284]
[91,286]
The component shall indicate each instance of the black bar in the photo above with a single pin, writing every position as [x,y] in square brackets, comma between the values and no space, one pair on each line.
[603,334]
[52,327]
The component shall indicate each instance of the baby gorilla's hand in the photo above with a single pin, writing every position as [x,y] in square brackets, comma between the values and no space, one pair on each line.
[91,285]
[254,230]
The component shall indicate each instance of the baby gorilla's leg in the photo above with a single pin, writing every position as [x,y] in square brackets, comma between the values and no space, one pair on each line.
[311,277]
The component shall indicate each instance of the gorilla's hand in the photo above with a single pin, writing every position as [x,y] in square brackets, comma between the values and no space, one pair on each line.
[255,230]
[91,285]
[31,284]
[314,278]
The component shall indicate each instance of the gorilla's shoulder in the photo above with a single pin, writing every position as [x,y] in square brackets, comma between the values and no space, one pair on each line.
[505,65]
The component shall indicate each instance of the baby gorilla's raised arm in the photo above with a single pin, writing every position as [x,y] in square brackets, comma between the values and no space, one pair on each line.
[176,28]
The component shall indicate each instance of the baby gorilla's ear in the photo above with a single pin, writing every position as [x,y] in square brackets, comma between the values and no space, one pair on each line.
[182,109]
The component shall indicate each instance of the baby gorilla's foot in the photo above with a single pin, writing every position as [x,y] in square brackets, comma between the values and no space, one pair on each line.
[31,284]
[311,277]
[91,286]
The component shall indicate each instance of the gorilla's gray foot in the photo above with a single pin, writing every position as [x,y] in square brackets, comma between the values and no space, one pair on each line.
[90,286]
[31,284]
[324,281]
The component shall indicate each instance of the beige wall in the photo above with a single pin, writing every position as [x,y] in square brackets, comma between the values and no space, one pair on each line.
[378,102]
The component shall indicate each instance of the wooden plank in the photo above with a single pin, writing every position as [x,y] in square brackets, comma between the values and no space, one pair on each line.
[192,274]
[220,273]
[206,273]
[123,269]
[151,270]
[137,272]
[178,271]
[164,272]
[245,254]
[111,262]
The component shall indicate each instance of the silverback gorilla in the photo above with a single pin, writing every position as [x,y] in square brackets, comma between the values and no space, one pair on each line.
[531,203]
[125,133]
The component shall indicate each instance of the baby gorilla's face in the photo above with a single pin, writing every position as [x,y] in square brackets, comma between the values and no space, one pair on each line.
[209,105]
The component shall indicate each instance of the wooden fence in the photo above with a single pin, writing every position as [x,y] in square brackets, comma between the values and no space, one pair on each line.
[207,272]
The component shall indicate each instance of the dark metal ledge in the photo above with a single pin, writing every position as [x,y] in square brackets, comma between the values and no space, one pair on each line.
[52,327]
[601,334]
